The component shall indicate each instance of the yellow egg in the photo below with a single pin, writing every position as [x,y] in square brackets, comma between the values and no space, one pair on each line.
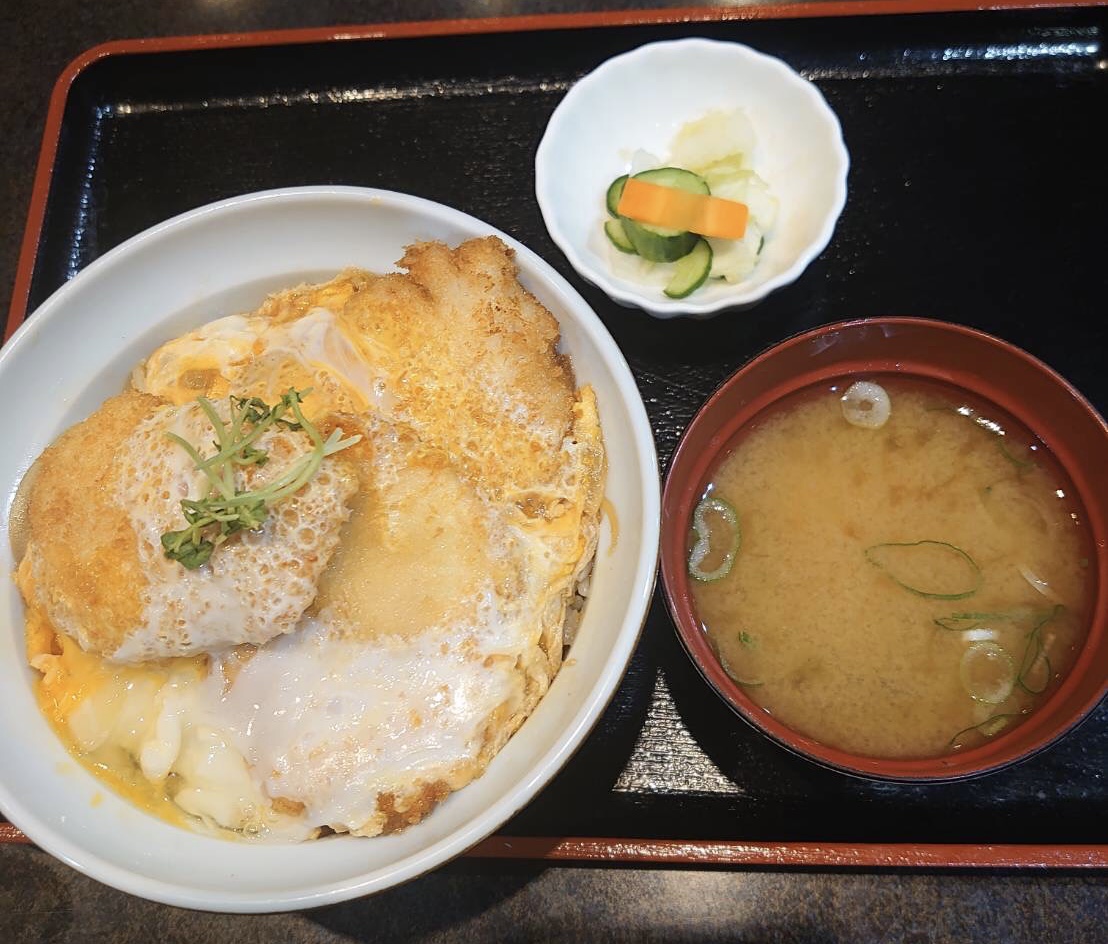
[406,659]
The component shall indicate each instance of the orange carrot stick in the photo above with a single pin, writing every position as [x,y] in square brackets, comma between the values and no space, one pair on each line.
[677,209]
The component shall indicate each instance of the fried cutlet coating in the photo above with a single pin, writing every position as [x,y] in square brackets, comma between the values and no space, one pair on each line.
[454,346]
[459,361]
[110,487]
[475,360]
[82,548]
[294,303]
[418,544]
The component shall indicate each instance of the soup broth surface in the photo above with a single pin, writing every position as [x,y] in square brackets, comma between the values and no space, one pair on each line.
[898,592]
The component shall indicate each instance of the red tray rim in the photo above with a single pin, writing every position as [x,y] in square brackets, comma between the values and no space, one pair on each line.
[716,853]
[597,850]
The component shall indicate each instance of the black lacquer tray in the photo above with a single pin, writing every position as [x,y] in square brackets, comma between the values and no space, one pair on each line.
[978,195]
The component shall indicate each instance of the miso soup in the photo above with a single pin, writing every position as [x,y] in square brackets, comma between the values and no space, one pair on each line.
[896,588]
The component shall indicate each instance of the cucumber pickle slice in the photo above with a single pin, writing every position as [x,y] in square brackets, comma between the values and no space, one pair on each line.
[690,271]
[691,253]
[615,191]
[676,177]
[656,247]
[617,235]
[657,243]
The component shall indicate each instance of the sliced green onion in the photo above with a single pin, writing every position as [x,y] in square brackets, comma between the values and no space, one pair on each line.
[976,576]
[1022,464]
[1037,583]
[703,543]
[960,621]
[987,728]
[1035,654]
[987,673]
[729,669]
[866,404]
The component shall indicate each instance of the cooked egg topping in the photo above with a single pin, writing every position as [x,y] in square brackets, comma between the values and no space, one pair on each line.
[143,728]
[397,619]
[253,588]
[256,356]
[346,729]
[365,716]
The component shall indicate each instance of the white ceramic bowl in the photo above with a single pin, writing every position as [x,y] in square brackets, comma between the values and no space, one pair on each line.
[78,349]
[640,100]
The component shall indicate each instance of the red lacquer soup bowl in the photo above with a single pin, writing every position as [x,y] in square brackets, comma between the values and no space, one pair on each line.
[983,367]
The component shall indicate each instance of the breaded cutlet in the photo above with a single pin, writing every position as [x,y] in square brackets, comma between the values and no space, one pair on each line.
[476,361]
[108,489]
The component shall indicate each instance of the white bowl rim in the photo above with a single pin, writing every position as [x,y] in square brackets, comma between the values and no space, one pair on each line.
[660,306]
[591,707]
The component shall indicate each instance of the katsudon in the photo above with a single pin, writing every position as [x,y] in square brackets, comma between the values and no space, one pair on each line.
[315,567]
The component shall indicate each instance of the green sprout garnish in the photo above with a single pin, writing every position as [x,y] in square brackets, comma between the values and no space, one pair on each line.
[226,510]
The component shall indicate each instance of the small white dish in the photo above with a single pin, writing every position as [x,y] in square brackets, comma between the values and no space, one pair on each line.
[638,101]
[79,347]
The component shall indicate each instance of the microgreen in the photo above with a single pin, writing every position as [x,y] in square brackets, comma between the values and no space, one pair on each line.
[226,510]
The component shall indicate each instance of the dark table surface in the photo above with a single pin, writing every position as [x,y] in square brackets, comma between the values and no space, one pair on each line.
[42,899]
